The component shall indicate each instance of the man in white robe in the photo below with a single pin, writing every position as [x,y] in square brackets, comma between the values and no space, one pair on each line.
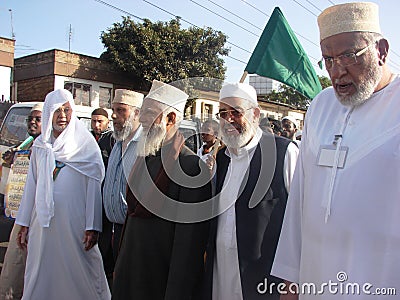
[340,235]
[61,209]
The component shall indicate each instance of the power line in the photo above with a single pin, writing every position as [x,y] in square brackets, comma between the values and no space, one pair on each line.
[312,4]
[237,16]
[226,19]
[194,25]
[164,10]
[305,38]
[305,8]
[119,9]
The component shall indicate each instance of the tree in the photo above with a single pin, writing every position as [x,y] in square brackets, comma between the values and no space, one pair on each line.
[164,51]
[290,96]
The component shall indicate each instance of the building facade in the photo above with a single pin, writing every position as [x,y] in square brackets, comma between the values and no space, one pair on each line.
[91,80]
[7,47]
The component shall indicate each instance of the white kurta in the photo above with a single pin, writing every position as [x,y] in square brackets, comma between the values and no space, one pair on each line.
[361,236]
[58,267]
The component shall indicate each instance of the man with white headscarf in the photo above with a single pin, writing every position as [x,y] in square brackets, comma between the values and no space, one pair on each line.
[340,236]
[12,272]
[161,258]
[60,212]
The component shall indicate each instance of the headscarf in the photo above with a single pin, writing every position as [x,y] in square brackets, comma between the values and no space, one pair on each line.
[75,147]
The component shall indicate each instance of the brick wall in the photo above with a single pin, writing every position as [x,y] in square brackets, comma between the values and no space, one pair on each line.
[35,89]
[7,52]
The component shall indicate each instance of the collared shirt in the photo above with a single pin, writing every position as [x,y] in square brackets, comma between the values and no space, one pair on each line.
[226,279]
[119,168]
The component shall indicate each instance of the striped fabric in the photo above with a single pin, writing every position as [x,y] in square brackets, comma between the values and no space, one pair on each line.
[118,170]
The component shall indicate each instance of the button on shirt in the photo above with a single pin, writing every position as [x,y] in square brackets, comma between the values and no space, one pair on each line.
[119,168]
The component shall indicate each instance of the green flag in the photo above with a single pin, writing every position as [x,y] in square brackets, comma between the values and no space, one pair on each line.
[280,56]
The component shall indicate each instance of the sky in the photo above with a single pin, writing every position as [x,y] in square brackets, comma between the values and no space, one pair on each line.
[45,24]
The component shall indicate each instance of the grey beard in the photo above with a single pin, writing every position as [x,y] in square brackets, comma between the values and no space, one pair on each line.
[126,130]
[151,142]
[365,89]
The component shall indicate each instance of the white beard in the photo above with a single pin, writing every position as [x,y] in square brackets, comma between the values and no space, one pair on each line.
[238,141]
[59,128]
[366,88]
[150,142]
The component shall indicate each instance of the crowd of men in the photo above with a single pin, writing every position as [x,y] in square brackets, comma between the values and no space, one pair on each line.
[132,213]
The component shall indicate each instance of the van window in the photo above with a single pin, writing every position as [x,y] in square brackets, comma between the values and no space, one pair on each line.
[86,122]
[190,138]
[14,129]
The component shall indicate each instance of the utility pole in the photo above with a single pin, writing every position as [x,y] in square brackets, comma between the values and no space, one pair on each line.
[12,27]
[69,38]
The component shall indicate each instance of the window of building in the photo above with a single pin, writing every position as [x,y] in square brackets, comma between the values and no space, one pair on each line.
[80,92]
[105,97]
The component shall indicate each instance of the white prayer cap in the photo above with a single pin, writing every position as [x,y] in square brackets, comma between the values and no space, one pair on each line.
[168,94]
[349,17]
[239,90]
[128,97]
[291,119]
[298,133]
[38,107]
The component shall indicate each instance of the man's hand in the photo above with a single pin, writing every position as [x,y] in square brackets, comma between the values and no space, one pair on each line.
[90,239]
[8,157]
[22,239]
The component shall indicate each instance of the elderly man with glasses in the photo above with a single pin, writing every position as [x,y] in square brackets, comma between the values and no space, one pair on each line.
[60,211]
[253,174]
[341,225]
[12,272]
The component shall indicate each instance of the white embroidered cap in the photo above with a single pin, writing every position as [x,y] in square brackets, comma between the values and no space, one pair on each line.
[239,90]
[291,119]
[349,17]
[128,97]
[168,95]
[38,106]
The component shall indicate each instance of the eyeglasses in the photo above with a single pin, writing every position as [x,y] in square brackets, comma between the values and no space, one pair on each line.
[236,113]
[344,60]
[36,119]
[65,110]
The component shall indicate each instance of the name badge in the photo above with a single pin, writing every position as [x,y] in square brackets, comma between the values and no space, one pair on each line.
[326,156]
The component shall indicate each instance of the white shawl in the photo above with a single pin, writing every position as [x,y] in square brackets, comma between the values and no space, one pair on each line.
[75,147]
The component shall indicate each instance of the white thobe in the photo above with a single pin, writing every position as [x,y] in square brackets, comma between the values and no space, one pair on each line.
[226,274]
[361,235]
[58,267]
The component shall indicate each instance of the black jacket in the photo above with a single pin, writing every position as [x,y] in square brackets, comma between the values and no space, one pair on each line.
[257,228]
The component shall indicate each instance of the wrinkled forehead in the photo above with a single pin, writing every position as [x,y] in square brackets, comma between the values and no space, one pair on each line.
[234,103]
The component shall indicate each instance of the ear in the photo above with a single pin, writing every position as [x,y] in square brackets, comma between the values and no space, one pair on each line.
[171,118]
[257,113]
[383,47]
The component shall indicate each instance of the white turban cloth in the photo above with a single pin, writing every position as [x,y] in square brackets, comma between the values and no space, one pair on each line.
[75,147]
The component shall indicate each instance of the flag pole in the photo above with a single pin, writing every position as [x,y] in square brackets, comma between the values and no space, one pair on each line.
[243,76]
